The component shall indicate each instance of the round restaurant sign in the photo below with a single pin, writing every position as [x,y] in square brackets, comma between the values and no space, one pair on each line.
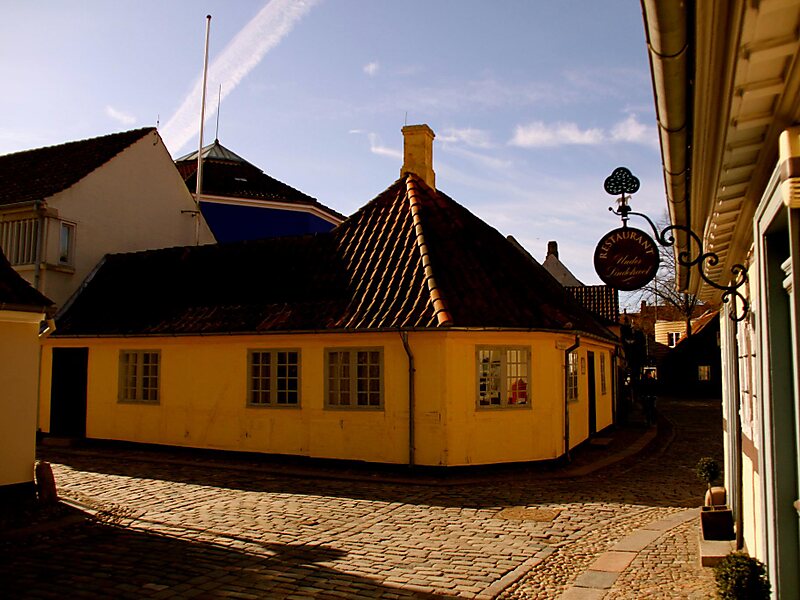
[626,259]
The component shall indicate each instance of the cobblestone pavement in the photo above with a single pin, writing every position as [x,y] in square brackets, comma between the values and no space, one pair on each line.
[168,529]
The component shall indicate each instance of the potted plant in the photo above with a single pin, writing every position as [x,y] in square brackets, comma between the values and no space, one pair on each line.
[716,521]
[707,470]
[741,577]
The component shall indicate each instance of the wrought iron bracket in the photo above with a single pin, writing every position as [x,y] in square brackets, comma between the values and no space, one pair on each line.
[623,183]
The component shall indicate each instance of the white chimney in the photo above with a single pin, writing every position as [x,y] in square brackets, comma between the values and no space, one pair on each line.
[418,153]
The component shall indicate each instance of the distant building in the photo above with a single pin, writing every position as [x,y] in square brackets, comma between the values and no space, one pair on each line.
[240,202]
[62,208]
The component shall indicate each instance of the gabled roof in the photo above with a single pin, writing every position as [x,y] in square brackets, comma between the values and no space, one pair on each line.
[16,293]
[227,174]
[600,300]
[40,173]
[410,258]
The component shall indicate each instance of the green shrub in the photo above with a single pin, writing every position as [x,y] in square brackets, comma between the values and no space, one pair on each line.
[741,577]
[707,470]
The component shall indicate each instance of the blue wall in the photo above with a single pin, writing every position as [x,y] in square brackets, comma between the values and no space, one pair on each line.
[233,223]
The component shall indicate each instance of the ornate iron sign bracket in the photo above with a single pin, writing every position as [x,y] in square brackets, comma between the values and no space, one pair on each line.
[623,183]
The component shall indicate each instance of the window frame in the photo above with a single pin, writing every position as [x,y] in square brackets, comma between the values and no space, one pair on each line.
[504,376]
[352,352]
[673,337]
[123,387]
[69,260]
[572,383]
[704,373]
[273,377]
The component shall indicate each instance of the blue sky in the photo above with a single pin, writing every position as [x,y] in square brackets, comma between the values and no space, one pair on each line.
[533,102]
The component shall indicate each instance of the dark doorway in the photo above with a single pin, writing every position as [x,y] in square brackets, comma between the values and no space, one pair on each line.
[592,394]
[68,392]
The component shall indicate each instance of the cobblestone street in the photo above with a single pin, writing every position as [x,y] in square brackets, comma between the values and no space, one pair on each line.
[167,528]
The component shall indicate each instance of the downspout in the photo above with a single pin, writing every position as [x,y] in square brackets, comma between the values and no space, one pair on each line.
[37,269]
[48,331]
[567,352]
[737,456]
[411,398]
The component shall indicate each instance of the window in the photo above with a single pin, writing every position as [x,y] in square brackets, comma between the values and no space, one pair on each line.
[602,373]
[503,376]
[18,240]
[139,375]
[355,378]
[274,378]
[66,243]
[704,373]
[673,337]
[572,377]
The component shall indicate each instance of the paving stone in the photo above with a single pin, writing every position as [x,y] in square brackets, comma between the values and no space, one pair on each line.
[613,561]
[596,579]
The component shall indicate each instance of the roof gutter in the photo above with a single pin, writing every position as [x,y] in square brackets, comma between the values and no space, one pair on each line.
[666,27]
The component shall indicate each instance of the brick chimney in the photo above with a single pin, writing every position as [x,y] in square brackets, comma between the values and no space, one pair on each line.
[418,153]
[552,248]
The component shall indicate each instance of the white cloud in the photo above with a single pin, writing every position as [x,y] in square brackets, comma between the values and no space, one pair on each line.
[376,147]
[539,134]
[477,138]
[372,68]
[631,130]
[118,115]
[264,31]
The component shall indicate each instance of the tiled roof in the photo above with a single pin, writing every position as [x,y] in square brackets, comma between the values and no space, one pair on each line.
[410,258]
[18,294]
[40,173]
[600,300]
[229,175]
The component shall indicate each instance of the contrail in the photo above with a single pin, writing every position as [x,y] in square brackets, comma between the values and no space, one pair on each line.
[264,31]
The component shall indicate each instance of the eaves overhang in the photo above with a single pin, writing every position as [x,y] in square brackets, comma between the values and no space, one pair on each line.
[743,86]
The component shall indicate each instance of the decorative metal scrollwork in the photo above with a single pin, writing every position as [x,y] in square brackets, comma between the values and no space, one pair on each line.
[620,182]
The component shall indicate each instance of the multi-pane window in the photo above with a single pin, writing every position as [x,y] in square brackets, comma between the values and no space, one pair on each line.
[503,376]
[274,378]
[572,376]
[704,373]
[139,375]
[603,373]
[355,378]
[66,242]
[18,240]
[673,337]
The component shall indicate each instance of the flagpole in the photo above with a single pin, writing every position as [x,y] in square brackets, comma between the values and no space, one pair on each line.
[199,186]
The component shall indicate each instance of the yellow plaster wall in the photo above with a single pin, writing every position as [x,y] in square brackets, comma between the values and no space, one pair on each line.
[485,436]
[19,371]
[204,384]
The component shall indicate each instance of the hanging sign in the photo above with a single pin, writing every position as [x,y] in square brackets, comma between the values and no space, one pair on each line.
[626,259]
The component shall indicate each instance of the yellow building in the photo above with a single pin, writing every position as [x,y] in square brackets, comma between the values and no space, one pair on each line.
[413,333]
[21,311]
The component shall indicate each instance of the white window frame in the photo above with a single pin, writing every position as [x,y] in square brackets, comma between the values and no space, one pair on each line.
[496,377]
[19,239]
[140,378]
[673,337]
[345,378]
[278,393]
[572,377]
[67,259]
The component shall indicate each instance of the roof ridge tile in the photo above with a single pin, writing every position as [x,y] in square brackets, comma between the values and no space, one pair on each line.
[443,316]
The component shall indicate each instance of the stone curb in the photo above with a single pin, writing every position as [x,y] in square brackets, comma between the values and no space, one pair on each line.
[599,578]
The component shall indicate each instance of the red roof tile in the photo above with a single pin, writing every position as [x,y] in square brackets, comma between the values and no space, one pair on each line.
[40,173]
[600,300]
[411,258]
